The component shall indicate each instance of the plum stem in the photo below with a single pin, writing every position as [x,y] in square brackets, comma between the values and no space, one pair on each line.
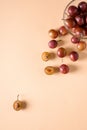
[60,40]
[62,60]
[18,97]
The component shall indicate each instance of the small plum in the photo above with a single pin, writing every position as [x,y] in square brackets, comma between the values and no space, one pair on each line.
[53,33]
[64,68]
[61,52]
[75,40]
[63,31]
[74,56]
[52,44]
[81,45]
[17,105]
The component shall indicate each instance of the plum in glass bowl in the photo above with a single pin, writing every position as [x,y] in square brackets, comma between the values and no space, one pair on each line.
[75,18]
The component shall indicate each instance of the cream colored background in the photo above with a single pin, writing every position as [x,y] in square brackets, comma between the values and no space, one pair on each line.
[57,102]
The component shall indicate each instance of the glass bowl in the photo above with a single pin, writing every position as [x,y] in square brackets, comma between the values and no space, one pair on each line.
[75,18]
